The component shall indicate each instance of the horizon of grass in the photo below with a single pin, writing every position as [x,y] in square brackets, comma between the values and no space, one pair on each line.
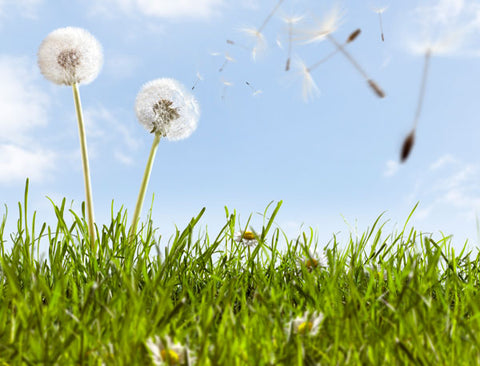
[402,298]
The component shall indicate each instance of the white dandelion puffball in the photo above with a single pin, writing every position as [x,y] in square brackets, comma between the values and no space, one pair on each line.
[70,55]
[163,106]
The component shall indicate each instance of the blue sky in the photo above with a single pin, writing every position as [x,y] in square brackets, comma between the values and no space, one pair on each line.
[332,158]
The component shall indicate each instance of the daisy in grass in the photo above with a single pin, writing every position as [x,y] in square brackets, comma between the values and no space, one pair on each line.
[307,324]
[247,238]
[314,260]
[168,353]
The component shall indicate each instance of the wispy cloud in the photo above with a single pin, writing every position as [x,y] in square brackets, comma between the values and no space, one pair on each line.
[450,185]
[446,27]
[391,168]
[23,109]
[192,9]
[17,163]
[27,8]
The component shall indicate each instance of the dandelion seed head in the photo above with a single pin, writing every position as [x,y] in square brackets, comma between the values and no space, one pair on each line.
[70,55]
[163,106]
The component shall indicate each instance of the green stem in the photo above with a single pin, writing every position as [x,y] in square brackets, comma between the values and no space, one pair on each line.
[143,187]
[86,169]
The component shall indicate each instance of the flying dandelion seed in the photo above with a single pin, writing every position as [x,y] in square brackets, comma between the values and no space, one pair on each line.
[352,37]
[410,139]
[380,11]
[255,92]
[197,80]
[329,24]
[257,35]
[309,88]
[290,21]
[228,59]
[233,43]
[226,85]
[372,84]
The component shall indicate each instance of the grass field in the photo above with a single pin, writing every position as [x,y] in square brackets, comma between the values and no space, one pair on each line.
[211,300]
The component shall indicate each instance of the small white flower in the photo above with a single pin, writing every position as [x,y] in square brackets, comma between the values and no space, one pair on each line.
[247,238]
[70,55]
[314,260]
[165,107]
[307,324]
[169,353]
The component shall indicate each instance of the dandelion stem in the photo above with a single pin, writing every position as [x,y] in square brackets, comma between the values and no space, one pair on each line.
[290,36]
[422,88]
[259,30]
[86,169]
[143,186]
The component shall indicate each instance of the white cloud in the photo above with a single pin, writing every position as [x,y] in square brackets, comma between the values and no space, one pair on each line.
[23,106]
[161,8]
[27,8]
[447,27]
[18,163]
[391,168]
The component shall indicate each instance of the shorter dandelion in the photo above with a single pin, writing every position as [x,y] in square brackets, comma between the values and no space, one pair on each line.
[197,80]
[307,324]
[166,109]
[168,353]
[257,35]
[247,238]
[380,11]
[410,138]
[255,92]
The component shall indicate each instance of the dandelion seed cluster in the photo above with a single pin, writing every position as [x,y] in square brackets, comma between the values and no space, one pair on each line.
[163,106]
[70,55]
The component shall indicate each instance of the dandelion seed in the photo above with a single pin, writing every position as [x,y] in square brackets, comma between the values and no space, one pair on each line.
[197,80]
[255,92]
[228,59]
[226,84]
[352,37]
[247,238]
[290,21]
[72,56]
[168,353]
[410,139]
[307,324]
[309,88]
[166,109]
[233,43]
[374,86]
[256,33]
[380,11]
[329,24]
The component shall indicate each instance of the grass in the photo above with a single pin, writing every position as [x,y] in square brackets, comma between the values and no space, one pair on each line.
[400,299]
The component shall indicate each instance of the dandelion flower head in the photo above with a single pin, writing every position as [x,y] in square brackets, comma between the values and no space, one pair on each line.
[163,106]
[70,55]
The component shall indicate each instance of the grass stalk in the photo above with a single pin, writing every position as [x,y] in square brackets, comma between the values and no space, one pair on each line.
[86,168]
[143,186]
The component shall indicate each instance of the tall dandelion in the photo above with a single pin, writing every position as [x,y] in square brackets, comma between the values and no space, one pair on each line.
[166,109]
[72,56]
